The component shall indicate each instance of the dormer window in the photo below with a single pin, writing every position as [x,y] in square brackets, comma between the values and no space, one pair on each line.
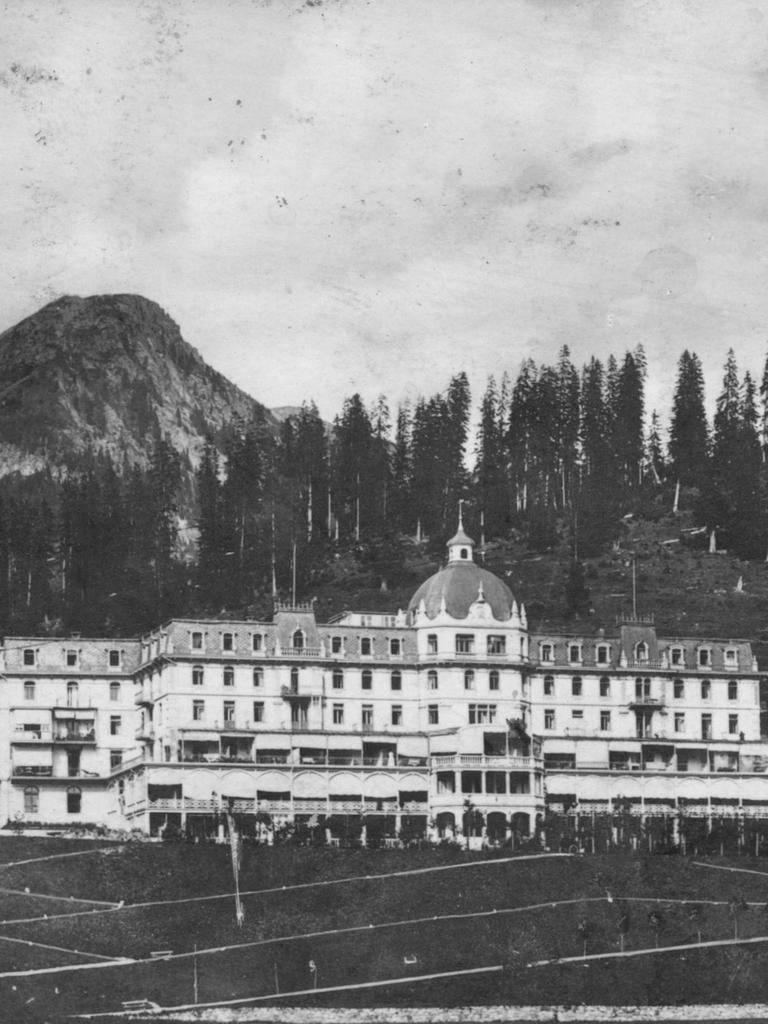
[71,659]
[602,654]
[547,652]
[256,642]
[676,656]
[574,653]
[731,658]
[366,646]
[464,553]
[29,657]
[297,640]
[227,641]
[641,651]
[197,641]
[705,657]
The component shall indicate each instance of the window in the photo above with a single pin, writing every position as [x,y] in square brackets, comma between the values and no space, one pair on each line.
[731,657]
[114,658]
[71,659]
[676,656]
[549,718]
[678,689]
[465,643]
[115,722]
[432,643]
[602,654]
[482,714]
[642,688]
[258,711]
[197,675]
[497,644]
[74,800]
[605,686]
[72,690]
[493,680]
[367,716]
[706,727]
[29,691]
[258,677]
[297,640]
[197,641]
[336,647]
[549,686]
[257,642]
[574,653]
[605,721]
[432,681]
[679,721]
[114,691]
[576,686]
[115,759]
[469,679]
[229,712]
[705,659]
[733,689]
[367,679]
[706,690]
[396,680]
[337,679]
[338,714]
[229,676]
[397,714]
[198,710]
[366,646]
[395,646]
[30,656]
[547,652]
[433,714]
[577,713]
[733,724]
[31,800]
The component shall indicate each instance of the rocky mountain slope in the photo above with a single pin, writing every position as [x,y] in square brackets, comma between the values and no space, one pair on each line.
[103,374]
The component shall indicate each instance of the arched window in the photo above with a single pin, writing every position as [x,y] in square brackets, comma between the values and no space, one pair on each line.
[464,553]
[549,686]
[493,680]
[31,800]
[397,680]
[641,651]
[229,675]
[74,800]
[469,679]
[298,640]
[294,679]
[197,675]
[432,682]
[72,690]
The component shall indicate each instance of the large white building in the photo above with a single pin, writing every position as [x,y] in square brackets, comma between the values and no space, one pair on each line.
[448,718]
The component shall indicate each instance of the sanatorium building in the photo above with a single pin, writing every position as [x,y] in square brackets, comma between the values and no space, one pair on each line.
[447,719]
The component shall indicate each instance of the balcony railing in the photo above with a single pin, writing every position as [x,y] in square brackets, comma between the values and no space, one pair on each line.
[24,736]
[36,770]
[299,652]
[485,761]
[73,736]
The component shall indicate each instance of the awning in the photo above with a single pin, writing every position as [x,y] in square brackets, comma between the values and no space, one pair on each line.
[272,741]
[83,715]
[412,746]
[344,783]
[199,737]
[345,743]
[380,786]
[309,786]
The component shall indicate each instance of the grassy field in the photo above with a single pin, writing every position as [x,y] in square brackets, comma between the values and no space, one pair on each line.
[78,932]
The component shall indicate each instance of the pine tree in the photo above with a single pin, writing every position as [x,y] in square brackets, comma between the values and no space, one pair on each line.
[689,434]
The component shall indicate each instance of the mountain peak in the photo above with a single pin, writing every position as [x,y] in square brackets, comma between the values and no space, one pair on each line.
[106,373]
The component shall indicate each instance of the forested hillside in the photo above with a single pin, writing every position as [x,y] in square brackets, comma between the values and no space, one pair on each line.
[567,480]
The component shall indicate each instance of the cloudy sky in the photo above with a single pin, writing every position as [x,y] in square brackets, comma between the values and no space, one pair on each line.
[374,194]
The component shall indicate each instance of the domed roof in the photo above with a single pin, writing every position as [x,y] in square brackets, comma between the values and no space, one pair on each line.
[459,585]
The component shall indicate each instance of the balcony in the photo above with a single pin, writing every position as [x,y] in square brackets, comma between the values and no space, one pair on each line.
[292,693]
[145,733]
[32,770]
[299,652]
[645,701]
[77,737]
[23,737]
[486,761]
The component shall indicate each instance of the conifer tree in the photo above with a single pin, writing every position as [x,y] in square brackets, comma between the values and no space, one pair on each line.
[689,434]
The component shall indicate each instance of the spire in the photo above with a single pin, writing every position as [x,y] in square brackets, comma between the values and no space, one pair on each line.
[460,546]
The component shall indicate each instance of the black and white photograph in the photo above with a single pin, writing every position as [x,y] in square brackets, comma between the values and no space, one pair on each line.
[383,511]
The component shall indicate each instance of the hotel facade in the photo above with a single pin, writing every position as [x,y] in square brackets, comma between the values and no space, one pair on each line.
[448,719]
